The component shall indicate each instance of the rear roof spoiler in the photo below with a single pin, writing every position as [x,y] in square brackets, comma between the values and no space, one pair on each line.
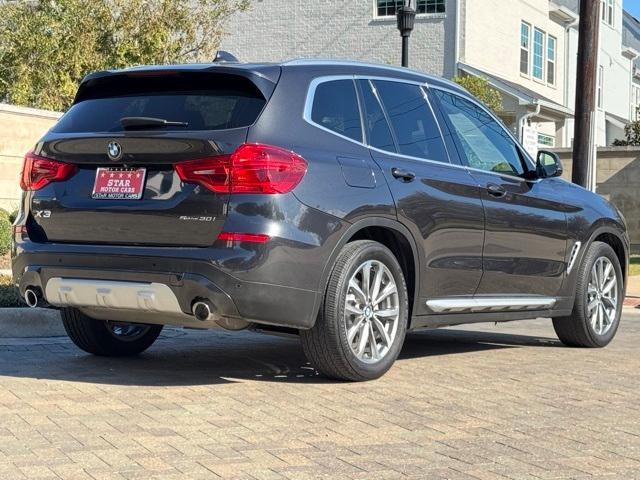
[264,76]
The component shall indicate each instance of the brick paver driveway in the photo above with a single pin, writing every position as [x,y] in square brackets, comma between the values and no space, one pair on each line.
[502,401]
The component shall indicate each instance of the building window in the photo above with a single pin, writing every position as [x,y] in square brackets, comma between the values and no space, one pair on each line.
[431,6]
[546,140]
[538,54]
[608,11]
[551,60]
[525,39]
[600,86]
[387,8]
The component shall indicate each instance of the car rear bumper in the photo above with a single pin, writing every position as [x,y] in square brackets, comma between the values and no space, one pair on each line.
[189,276]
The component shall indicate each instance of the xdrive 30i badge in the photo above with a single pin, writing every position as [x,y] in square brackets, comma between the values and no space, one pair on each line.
[197,218]
[114,151]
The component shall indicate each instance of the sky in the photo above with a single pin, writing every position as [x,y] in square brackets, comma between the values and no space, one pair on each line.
[633,7]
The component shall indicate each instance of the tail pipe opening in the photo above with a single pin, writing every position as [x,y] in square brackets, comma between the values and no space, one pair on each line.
[33,297]
[203,310]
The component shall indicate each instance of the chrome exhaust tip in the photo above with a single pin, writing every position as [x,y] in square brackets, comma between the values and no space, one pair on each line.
[32,297]
[203,310]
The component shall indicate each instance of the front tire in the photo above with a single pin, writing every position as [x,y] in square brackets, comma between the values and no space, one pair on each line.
[105,338]
[598,304]
[363,320]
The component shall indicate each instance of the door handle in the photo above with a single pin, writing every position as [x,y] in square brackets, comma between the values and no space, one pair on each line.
[496,190]
[402,174]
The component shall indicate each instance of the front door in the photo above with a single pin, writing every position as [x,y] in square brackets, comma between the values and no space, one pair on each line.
[526,225]
[437,200]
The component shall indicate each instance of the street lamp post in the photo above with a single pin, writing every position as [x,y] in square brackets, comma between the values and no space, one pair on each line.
[406,17]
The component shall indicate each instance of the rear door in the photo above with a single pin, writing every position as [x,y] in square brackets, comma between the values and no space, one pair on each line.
[209,116]
[437,200]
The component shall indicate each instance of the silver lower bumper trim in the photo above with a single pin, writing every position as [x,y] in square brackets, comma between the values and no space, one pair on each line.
[147,297]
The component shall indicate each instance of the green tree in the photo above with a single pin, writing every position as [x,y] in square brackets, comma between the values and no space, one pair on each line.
[46,47]
[480,88]
[631,134]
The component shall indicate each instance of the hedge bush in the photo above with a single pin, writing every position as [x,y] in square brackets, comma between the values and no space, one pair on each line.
[5,235]
[11,216]
[9,294]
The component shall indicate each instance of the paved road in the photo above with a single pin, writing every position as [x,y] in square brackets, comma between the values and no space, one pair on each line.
[486,402]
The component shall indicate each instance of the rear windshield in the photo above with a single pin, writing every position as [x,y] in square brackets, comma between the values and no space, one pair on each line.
[202,101]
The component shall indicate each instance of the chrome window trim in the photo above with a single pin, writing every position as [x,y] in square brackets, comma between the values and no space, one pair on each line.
[308,106]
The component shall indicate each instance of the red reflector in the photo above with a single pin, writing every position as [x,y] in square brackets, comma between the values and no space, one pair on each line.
[39,171]
[243,237]
[252,168]
[19,229]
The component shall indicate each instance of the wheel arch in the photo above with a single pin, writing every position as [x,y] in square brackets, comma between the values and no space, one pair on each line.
[612,235]
[394,236]
[614,240]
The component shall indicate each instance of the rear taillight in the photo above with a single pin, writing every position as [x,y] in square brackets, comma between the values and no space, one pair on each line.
[252,168]
[243,237]
[39,171]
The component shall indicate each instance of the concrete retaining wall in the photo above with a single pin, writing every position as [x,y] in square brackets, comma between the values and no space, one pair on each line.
[20,129]
[618,180]
[30,322]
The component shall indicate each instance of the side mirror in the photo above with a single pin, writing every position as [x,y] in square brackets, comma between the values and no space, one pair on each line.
[548,164]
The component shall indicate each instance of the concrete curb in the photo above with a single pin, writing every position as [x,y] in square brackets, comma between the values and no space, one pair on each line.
[30,322]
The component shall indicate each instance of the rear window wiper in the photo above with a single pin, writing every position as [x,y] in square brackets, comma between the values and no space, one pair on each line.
[149,122]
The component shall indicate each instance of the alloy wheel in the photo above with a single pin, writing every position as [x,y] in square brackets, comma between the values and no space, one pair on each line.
[371,311]
[602,296]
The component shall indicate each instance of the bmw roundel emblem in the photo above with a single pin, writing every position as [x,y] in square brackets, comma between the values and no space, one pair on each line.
[114,150]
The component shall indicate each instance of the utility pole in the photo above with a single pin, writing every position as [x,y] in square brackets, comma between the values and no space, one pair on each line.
[584,151]
[406,17]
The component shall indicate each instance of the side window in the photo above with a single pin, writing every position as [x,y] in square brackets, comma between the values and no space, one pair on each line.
[378,133]
[415,129]
[335,106]
[484,142]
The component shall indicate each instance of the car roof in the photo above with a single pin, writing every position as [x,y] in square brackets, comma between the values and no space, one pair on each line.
[372,69]
[271,71]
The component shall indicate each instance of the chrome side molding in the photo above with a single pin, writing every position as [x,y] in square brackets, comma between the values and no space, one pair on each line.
[148,297]
[489,304]
[574,256]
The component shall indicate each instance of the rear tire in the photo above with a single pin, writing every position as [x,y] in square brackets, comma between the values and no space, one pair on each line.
[363,320]
[105,338]
[598,303]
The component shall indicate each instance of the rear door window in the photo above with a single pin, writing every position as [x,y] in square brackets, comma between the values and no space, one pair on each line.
[413,123]
[202,101]
[335,107]
[377,128]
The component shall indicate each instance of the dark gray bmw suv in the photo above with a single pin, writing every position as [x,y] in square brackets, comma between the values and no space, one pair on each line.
[343,202]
